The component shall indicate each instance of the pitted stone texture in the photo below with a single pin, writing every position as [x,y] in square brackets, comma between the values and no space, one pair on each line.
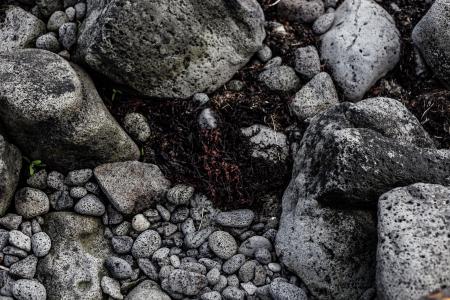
[266,143]
[432,36]
[10,165]
[362,46]
[132,186]
[147,290]
[306,11]
[18,28]
[413,238]
[173,48]
[332,249]
[53,112]
[74,267]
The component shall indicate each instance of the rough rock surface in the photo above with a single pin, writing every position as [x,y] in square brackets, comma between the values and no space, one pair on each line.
[175,48]
[432,36]
[74,266]
[147,290]
[332,249]
[131,186]
[53,113]
[18,28]
[266,143]
[361,47]
[10,165]
[306,11]
[413,238]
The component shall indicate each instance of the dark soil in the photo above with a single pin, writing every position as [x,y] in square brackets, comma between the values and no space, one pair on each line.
[219,163]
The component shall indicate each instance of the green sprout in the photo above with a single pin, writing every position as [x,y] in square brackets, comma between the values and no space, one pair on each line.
[34,165]
[115,94]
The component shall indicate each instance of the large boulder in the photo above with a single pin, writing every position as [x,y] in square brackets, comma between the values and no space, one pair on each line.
[132,186]
[361,47]
[432,36]
[52,112]
[10,165]
[332,247]
[413,239]
[18,28]
[170,48]
[74,267]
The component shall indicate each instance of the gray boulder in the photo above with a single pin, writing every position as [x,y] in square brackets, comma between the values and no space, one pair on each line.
[413,238]
[147,290]
[432,36]
[74,267]
[53,112]
[362,46]
[10,165]
[174,49]
[18,28]
[332,248]
[132,186]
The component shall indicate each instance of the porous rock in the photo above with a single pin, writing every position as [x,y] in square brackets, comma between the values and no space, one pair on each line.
[10,165]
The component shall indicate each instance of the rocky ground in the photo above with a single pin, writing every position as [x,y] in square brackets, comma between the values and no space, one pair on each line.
[215,150]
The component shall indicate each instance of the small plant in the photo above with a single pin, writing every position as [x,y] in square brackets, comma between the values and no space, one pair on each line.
[34,165]
[115,94]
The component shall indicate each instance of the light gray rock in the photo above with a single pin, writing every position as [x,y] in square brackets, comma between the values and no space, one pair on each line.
[280,79]
[146,244]
[41,244]
[266,143]
[316,96]
[118,268]
[19,240]
[362,46]
[10,165]
[222,244]
[432,36]
[301,10]
[265,54]
[132,186]
[140,223]
[19,29]
[147,290]
[200,98]
[413,239]
[122,244]
[31,203]
[25,268]
[74,267]
[68,35]
[78,177]
[180,194]
[187,283]
[11,221]
[307,61]
[55,180]
[78,192]
[249,246]
[25,289]
[90,205]
[240,218]
[148,268]
[323,23]
[137,127]
[80,10]
[247,271]
[211,296]
[187,48]
[207,119]
[48,42]
[48,7]
[196,239]
[111,287]
[233,264]
[38,180]
[233,293]
[56,20]
[53,112]
[213,276]
[70,12]
[280,290]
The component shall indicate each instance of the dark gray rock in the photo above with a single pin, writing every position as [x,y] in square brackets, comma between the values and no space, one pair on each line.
[25,289]
[19,29]
[249,246]
[61,120]
[281,290]
[196,239]
[180,194]
[55,180]
[10,165]
[56,20]
[137,127]
[280,79]
[111,287]
[187,283]
[25,268]
[48,7]
[362,46]
[233,293]
[233,264]
[132,186]
[266,143]
[61,200]
[187,48]
[11,221]
[413,239]
[68,35]
[41,244]
[48,42]
[323,23]
[307,61]
[147,290]
[31,203]
[38,180]
[118,268]
[236,218]
[432,36]
[78,177]
[122,244]
[74,266]
[90,205]
[301,10]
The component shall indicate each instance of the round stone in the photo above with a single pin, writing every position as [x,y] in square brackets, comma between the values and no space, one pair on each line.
[48,42]
[90,205]
[40,244]
[263,256]
[200,98]
[265,54]
[222,244]
[78,192]
[118,268]
[68,35]
[136,125]
[140,223]
[233,264]
[25,289]
[31,203]
[180,194]
[57,19]
[122,244]
[146,244]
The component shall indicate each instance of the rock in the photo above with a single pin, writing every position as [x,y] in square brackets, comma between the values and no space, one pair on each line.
[61,200]
[211,296]
[323,23]
[233,264]
[207,119]
[315,97]
[48,42]
[249,246]
[10,165]
[70,12]
[213,276]
[146,244]
[19,240]
[38,180]
[249,288]
[25,289]
[68,35]
[13,251]
[78,177]
[222,244]
[61,120]
[195,239]
[301,10]
[122,244]
[90,205]
[235,85]
[148,268]
[137,127]
[48,7]
[267,143]
[280,79]
[78,192]
[335,257]
[247,271]
[413,239]
[140,223]
[118,268]
[187,49]
[111,287]
[57,19]
[362,46]
[280,290]
[200,98]
[55,180]
[233,293]
[307,61]
[240,218]
[74,267]
[80,10]
[31,203]
[18,29]
[132,186]
[11,221]
[263,256]
[41,244]
[25,268]
[432,36]
[187,283]
[265,54]
[180,194]
[147,290]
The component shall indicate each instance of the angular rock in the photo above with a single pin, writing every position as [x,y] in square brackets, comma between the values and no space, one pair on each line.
[187,283]
[307,61]
[413,238]
[111,287]
[132,186]
[280,79]
[25,289]
[25,268]
[31,203]
[280,290]
[74,267]
[171,52]
[147,290]
[53,112]
[301,10]
[18,28]
[10,165]
[432,36]
[362,46]
[266,143]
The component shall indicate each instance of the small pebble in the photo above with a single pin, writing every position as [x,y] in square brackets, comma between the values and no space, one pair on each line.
[68,35]
[146,244]
[78,177]
[90,205]
[233,264]
[55,180]
[118,268]
[233,293]
[31,202]
[41,244]
[25,268]
[19,240]
[111,287]
[136,125]
[222,244]
[265,54]
[140,223]
[200,98]
[237,218]
[122,244]
[56,20]
[78,192]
